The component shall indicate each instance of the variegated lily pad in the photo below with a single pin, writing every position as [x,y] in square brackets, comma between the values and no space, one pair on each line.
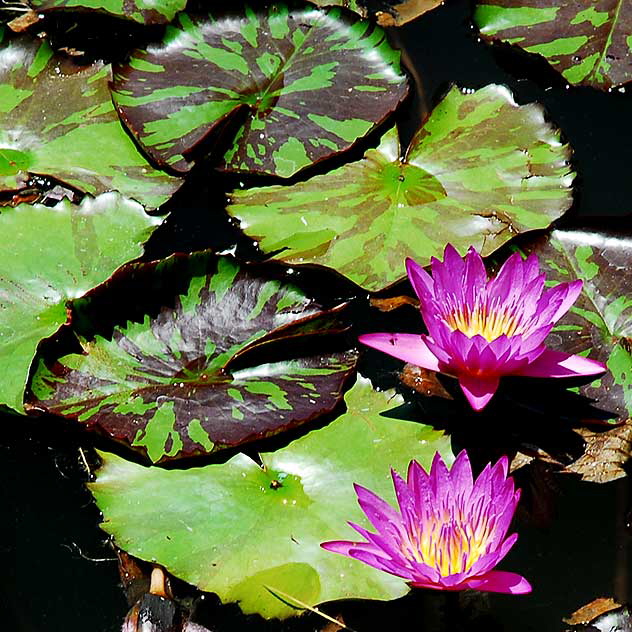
[590,43]
[479,171]
[143,11]
[167,386]
[57,119]
[242,531]
[312,82]
[52,256]
[599,325]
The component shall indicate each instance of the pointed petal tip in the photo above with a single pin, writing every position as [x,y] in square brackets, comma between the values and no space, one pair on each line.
[407,347]
[559,364]
[500,582]
[478,391]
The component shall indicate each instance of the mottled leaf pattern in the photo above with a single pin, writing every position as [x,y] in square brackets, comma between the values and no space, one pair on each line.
[599,324]
[166,387]
[55,255]
[235,528]
[312,82]
[479,171]
[143,11]
[57,119]
[590,43]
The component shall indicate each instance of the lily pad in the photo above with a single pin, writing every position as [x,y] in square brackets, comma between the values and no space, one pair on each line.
[309,82]
[143,11]
[479,171]
[590,43]
[51,112]
[599,325]
[167,386]
[55,255]
[241,530]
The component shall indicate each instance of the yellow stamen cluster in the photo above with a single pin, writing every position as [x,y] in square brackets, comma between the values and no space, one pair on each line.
[489,323]
[450,545]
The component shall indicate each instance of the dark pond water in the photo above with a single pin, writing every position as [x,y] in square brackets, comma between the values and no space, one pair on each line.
[59,574]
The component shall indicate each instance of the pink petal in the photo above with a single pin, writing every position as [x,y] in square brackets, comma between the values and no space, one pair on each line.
[508,280]
[475,278]
[478,389]
[338,546]
[407,347]
[420,280]
[461,474]
[559,364]
[573,290]
[501,582]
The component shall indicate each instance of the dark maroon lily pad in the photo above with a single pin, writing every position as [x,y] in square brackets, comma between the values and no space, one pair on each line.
[310,82]
[214,371]
[599,325]
[588,42]
[153,12]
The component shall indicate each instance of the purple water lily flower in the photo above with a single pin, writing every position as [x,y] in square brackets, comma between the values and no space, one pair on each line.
[449,532]
[480,329]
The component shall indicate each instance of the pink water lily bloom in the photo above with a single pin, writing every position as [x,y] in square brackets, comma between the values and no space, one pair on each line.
[449,532]
[480,329]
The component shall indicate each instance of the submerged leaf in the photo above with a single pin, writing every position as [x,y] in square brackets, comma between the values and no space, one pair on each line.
[143,11]
[57,119]
[242,531]
[169,386]
[55,255]
[588,42]
[309,82]
[480,170]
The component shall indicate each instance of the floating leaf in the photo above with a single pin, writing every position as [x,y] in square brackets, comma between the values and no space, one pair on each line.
[479,171]
[312,82]
[143,11]
[57,119]
[166,386]
[54,255]
[599,325]
[590,43]
[237,528]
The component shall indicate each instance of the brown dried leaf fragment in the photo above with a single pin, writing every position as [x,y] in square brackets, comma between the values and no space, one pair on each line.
[606,452]
[393,302]
[405,12]
[592,610]
[423,381]
[25,21]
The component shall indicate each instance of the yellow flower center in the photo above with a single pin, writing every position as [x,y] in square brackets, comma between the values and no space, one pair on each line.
[451,545]
[490,324]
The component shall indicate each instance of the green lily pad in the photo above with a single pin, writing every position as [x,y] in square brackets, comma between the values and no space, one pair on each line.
[167,386]
[55,255]
[143,11]
[57,119]
[237,528]
[590,43]
[310,83]
[599,325]
[479,171]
